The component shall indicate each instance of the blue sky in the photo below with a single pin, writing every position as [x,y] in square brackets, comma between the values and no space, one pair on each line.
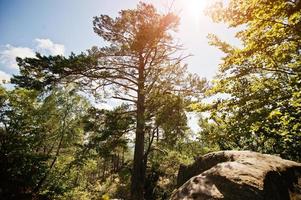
[56,26]
[65,26]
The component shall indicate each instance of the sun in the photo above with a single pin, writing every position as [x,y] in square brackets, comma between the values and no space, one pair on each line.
[196,7]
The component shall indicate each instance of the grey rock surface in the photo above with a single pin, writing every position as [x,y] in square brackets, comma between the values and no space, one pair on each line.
[239,175]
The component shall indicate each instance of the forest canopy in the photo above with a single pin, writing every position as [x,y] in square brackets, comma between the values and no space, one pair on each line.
[56,143]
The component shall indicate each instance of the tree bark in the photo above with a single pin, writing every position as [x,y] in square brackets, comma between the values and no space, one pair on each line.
[138,172]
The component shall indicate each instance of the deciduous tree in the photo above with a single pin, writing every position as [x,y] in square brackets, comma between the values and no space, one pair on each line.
[260,78]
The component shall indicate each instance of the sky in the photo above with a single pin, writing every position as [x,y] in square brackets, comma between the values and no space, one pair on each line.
[59,27]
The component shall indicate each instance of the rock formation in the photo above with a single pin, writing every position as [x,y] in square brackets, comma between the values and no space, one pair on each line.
[239,175]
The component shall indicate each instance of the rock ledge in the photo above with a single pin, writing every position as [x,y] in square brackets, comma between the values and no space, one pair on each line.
[239,175]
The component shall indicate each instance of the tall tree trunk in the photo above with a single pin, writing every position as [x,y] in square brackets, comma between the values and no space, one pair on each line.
[138,172]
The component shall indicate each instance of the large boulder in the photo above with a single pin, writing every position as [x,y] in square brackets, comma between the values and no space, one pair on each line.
[239,175]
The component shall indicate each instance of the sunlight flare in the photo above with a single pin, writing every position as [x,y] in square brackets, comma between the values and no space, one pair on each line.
[196,7]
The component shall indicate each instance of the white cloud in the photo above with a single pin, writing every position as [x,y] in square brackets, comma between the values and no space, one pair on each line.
[46,46]
[4,77]
[9,54]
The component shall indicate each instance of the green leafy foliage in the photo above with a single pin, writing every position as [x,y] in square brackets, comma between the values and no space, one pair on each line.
[35,130]
[260,80]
